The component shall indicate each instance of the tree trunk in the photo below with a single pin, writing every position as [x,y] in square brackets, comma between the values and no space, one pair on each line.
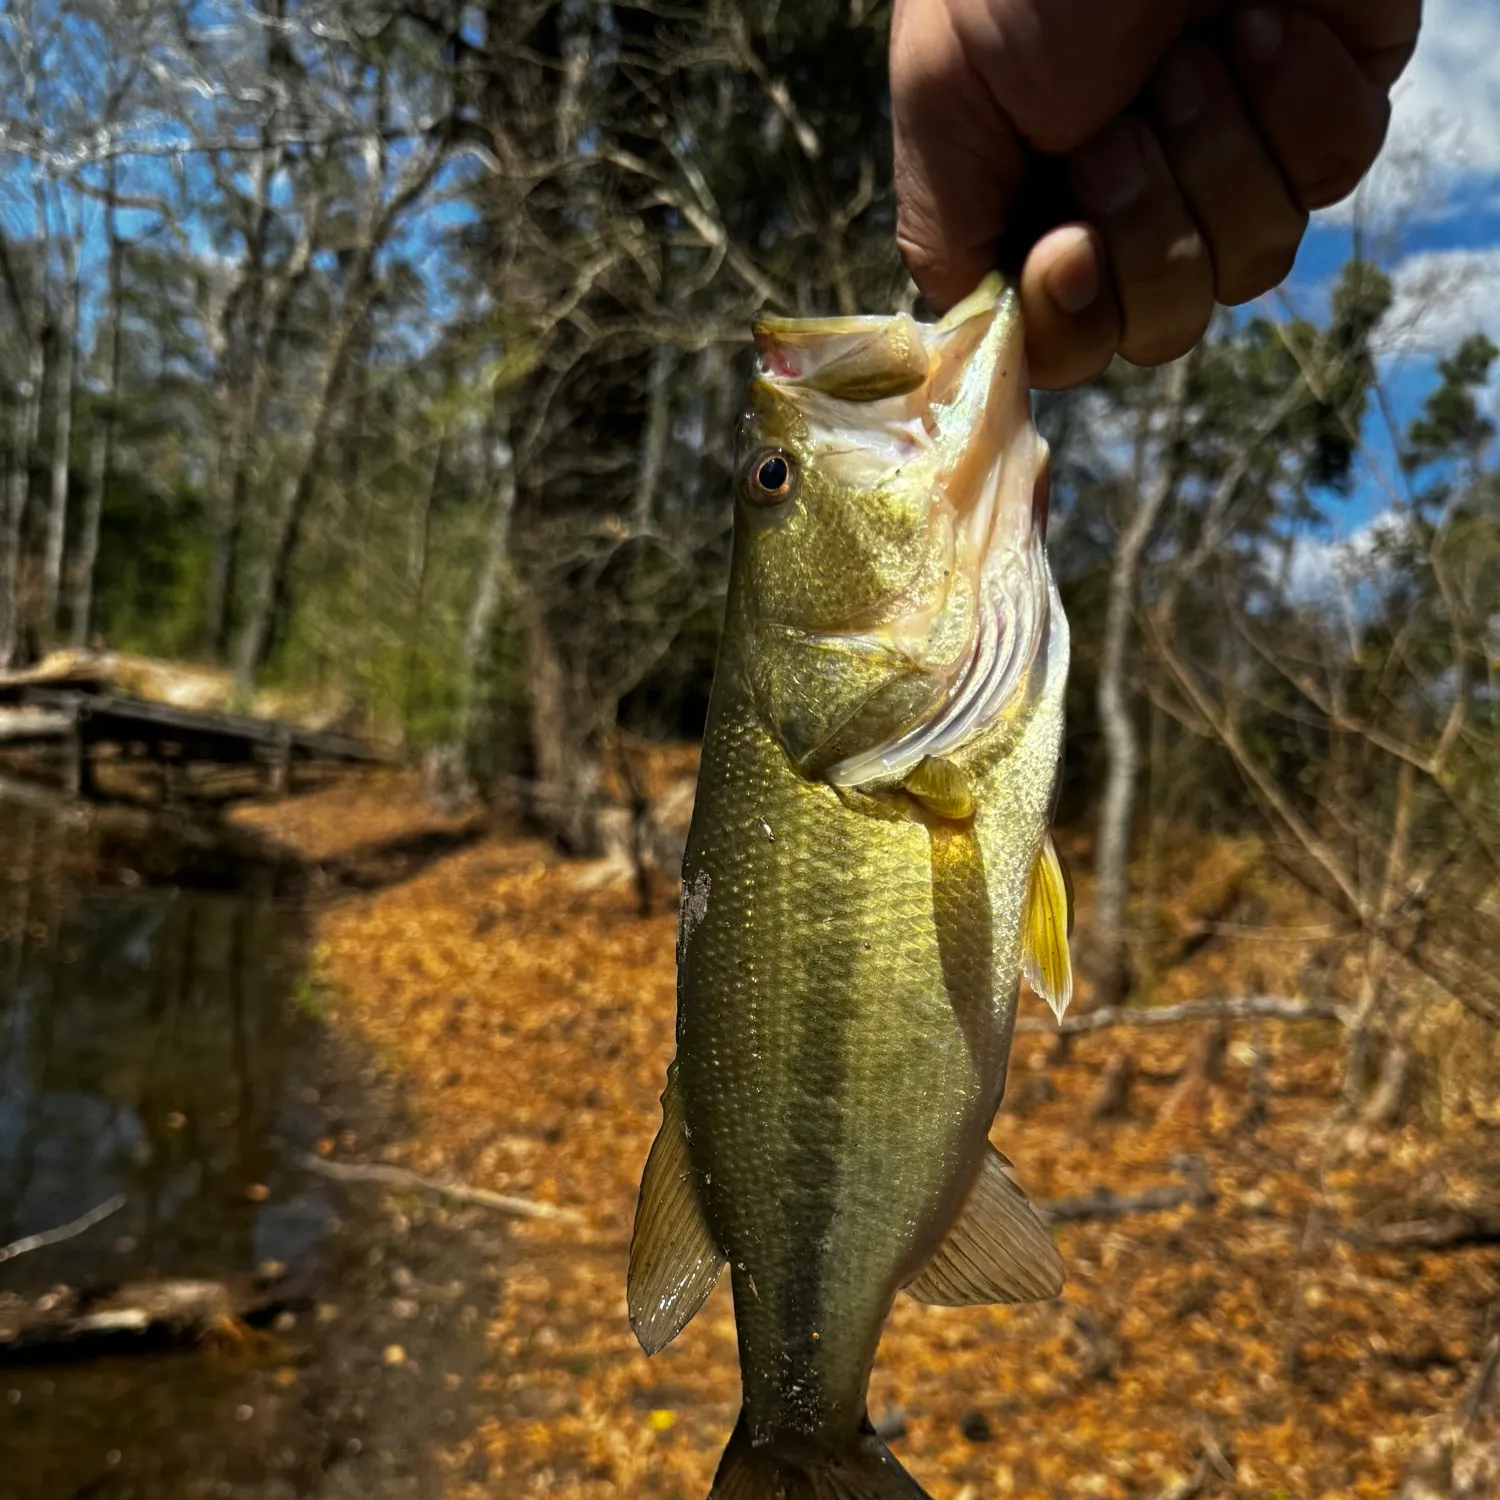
[1109,958]
[103,444]
[271,602]
[18,497]
[226,509]
[494,576]
[654,433]
[88,541]
[62,452]
[1377,959]
[246,356]
[271,599]
[567,775]
[246,396]
[418,548]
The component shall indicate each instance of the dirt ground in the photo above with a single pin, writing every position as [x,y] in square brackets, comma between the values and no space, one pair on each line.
[1232,1347]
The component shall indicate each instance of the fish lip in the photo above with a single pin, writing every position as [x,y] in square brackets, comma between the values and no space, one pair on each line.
[801,332]
[863,359]
[859,376]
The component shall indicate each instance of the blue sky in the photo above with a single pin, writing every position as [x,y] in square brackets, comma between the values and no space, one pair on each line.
[1431,212]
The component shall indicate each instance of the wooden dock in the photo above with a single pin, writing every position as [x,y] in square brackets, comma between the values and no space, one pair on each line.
[82,721]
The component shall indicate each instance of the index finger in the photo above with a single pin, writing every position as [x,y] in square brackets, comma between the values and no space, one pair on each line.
[958,161]
[975,84]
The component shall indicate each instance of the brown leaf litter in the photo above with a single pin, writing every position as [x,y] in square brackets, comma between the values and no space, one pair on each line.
[1231,1348]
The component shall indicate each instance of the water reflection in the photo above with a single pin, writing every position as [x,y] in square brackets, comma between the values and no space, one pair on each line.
[148,1049]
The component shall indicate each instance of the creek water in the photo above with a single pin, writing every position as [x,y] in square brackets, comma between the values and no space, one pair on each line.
[160,1051]
[147,1051]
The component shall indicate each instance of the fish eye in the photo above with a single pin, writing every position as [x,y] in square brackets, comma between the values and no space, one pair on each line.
[772,478]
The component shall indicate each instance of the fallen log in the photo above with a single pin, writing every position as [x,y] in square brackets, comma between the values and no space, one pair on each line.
[1272,1007]
[1104,1204]
[175,1309]
[505,1203]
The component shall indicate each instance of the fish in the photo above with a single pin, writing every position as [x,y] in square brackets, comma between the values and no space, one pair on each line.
[868,875]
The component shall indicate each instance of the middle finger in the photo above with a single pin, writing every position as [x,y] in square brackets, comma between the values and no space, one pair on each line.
[1162,272]
[1235,190]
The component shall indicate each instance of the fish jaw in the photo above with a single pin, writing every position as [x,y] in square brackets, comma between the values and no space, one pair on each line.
[944,473]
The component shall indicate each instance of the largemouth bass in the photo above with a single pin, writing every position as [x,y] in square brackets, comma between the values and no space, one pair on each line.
[868,874]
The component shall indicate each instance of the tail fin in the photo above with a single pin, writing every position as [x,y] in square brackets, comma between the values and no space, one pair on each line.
[865,1470]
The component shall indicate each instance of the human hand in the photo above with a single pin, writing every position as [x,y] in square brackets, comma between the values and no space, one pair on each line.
[1193,137]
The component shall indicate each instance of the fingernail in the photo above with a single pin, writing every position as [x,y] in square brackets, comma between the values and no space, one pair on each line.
[1258,32]
[1072,280]
[1181,90]
[1108,171]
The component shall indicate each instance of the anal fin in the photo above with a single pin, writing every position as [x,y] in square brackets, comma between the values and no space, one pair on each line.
[674,1262]
[997,1250]
[1045,928]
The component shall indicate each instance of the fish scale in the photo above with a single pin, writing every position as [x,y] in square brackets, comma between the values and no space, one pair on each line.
[849,955]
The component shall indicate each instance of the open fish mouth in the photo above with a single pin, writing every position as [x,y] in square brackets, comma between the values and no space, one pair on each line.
[945,409]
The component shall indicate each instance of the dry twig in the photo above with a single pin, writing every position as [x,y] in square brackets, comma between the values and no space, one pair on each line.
[1271,1006]
[64,1231]
[1103,1204]
[1445,1228]
[505,1203]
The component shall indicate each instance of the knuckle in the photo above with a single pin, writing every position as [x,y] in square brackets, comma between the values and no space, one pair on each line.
[1164,264]
[919,233]
[919,255]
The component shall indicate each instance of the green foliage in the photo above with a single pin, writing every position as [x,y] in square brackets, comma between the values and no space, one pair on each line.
[152,556]
[1451,424]
[1346,371]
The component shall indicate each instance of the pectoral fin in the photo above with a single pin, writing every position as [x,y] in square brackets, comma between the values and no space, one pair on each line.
[1045,929]
[997,1251]
[942,788]
[674,1262]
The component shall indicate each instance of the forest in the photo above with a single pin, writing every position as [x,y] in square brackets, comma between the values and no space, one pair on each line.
[387,353]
